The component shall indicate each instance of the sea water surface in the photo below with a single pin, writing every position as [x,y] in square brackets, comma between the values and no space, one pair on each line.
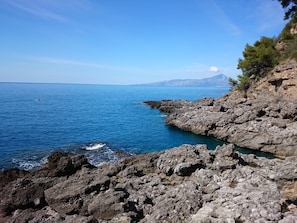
[95,120]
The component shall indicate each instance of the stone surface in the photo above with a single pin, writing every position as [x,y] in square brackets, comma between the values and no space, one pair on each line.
[9,175]
[185,184]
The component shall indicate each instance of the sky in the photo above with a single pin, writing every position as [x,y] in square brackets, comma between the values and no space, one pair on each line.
[129,41]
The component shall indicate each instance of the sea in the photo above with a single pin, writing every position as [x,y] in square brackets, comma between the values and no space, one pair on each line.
[99,121]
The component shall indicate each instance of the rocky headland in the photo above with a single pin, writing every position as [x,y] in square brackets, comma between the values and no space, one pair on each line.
[189,183]
[263,118]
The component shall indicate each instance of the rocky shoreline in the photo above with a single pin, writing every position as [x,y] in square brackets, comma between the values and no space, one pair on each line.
[184,184]
[264,118]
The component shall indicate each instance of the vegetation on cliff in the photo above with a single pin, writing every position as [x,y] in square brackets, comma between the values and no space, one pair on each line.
[260,58]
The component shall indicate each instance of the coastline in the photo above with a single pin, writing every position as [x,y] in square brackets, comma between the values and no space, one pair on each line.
[121,121]
[188,183]
[183,184]
[261,119]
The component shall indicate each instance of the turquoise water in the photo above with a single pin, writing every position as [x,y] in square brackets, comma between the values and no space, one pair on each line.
[95,120]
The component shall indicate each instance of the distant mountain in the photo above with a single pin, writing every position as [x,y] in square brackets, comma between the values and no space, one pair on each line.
[219,80]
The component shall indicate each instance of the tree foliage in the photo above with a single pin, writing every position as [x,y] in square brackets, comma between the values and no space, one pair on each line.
[291,8]
[257,61]
[232,82]
[260,58]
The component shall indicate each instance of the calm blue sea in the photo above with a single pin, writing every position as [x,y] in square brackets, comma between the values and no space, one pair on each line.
[96,120]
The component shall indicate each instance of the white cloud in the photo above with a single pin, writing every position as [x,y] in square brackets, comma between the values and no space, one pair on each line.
[214,69]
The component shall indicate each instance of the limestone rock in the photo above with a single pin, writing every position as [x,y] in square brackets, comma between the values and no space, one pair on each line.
[68,196]
[185,184]
[183,160]
[108,204]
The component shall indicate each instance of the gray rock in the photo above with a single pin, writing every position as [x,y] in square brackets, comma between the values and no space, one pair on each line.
[183,184]
[183,160]
[255,124]
[108,204]
[176,204]
[68,197]
[24,193]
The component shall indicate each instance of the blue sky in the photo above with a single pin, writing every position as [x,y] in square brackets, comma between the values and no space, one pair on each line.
[129,41]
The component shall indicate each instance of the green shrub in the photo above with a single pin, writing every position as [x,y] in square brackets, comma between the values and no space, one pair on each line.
[257,61]
[232,82]
[286,36]
[294,56]
[244,82]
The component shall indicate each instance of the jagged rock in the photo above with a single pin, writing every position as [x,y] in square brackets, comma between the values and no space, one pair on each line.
[108,204]
[80,161]
[183,160]
[153,104]
[176,204]
[28,190]
[24,193]
[69,197]
[48,215]
[254,125]
[184,184]
[225,158]
[59,164]
[10,175]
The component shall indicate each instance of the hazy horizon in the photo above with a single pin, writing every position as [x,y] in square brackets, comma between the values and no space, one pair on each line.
[144,84]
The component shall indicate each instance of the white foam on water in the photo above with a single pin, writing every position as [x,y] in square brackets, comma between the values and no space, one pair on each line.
[29,164]
[26,164]
[99,157]
[95,146]
[97,153]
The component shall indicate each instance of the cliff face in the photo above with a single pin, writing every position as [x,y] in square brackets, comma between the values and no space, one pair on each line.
[280,85]
[263,118]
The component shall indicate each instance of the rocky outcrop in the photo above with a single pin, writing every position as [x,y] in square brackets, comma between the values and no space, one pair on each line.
[263,118]
[183,184]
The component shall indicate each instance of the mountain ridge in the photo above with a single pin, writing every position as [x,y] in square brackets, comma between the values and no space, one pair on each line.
[219,80]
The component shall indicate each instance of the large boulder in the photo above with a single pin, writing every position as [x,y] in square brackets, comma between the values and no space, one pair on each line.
[184,160]
[23,190]
[108,204]
[72,196]
[24,193]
